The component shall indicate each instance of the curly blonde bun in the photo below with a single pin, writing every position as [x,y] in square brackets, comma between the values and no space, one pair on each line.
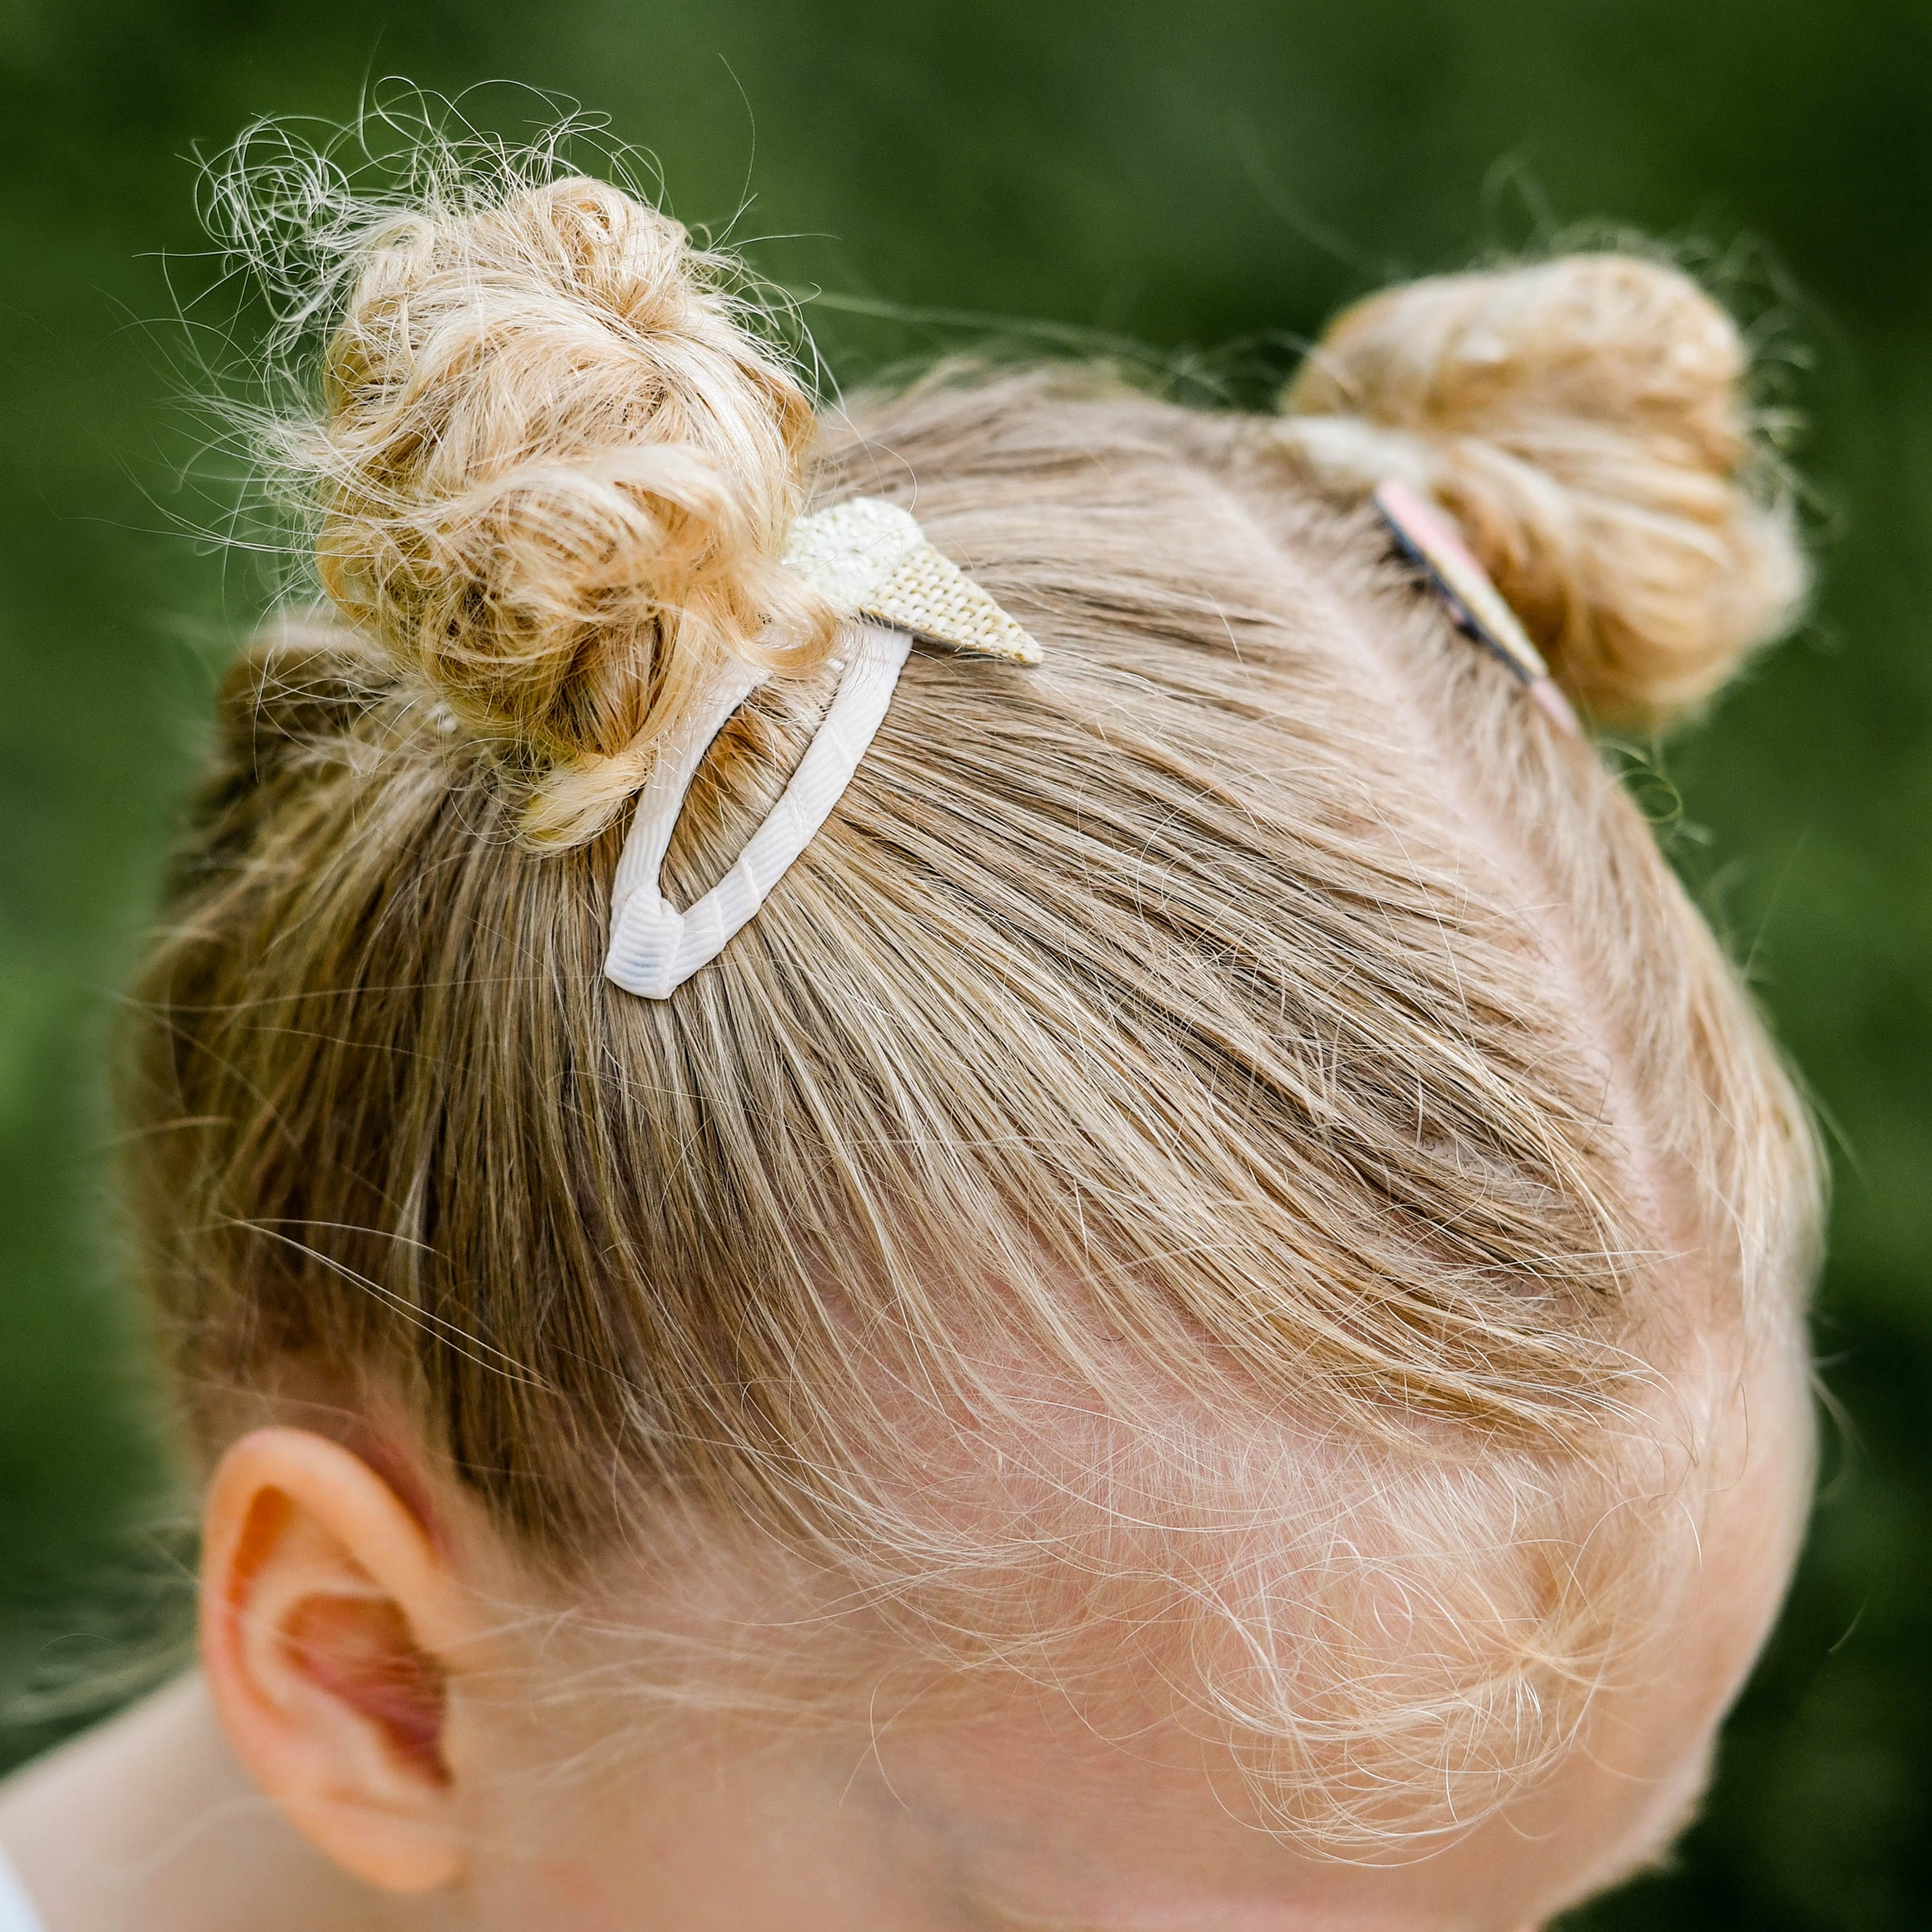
[556,473]
[1584,418]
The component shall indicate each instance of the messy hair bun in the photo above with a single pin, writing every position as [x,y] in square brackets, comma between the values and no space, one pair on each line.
[1584,419]
[556,471]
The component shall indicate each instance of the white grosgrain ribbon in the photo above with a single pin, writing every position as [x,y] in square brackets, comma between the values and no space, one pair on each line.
[871,560]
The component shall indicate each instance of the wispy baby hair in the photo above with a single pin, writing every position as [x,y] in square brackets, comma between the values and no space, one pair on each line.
[1221,1159]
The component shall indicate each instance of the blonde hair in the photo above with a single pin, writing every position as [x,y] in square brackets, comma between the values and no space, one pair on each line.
[1220,1142]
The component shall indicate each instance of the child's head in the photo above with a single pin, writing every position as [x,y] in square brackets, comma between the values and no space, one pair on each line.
[1206,1305]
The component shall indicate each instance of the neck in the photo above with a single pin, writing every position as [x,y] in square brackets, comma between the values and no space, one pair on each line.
[149,1821]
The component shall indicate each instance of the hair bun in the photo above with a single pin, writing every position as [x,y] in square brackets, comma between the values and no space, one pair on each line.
[556,473]
[1584,419]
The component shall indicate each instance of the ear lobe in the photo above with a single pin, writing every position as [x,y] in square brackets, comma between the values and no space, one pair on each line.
[329,1623]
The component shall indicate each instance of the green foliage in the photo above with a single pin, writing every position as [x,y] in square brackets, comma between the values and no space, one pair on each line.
[1191,177]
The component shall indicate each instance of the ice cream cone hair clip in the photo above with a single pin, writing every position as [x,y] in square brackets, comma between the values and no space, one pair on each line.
[1430,542]
[871,561]
[870,558]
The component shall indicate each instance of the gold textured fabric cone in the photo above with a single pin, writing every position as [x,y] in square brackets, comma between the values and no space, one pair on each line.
[871,558]
[930,596]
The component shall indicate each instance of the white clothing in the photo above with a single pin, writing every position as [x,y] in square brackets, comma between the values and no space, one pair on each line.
[17,1913]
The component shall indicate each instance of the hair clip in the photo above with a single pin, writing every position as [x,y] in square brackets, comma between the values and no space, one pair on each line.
[1427,537]
[871,560]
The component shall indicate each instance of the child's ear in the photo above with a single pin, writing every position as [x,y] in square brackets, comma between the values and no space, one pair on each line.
[331,1627]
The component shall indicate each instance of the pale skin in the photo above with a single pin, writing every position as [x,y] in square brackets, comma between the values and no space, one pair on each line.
[337,1765]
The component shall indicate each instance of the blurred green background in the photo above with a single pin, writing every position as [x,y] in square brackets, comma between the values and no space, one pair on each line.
[1189,176]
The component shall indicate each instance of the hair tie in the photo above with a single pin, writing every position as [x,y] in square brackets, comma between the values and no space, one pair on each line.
[871,561]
